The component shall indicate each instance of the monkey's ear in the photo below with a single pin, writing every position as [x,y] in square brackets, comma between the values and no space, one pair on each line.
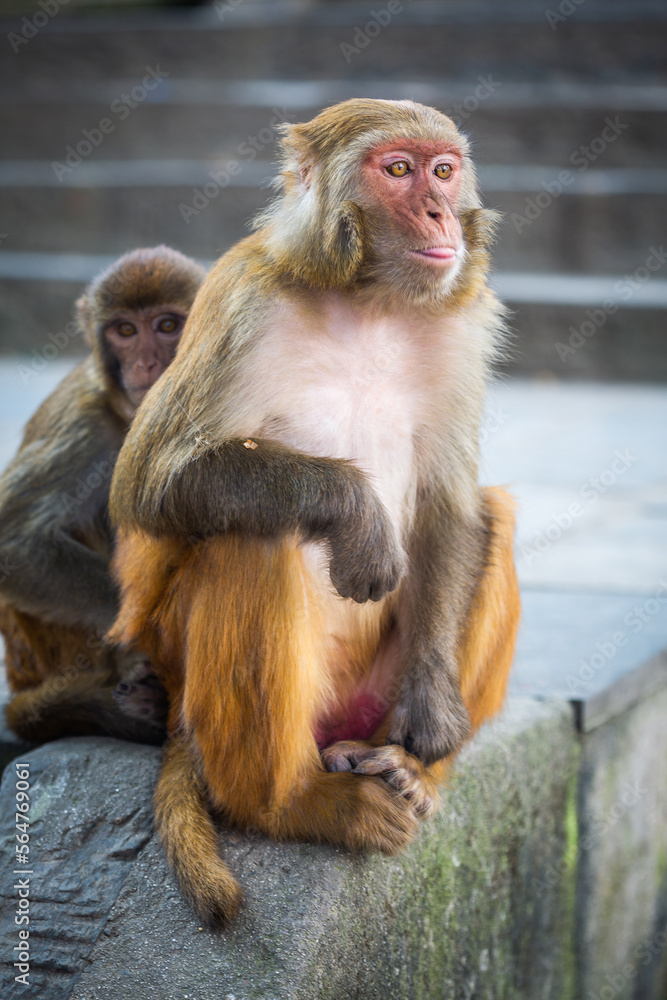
[480,226]
[343,249]
[83,316]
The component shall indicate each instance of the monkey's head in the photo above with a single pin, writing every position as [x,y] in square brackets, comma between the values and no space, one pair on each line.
[380,195]
[133,315]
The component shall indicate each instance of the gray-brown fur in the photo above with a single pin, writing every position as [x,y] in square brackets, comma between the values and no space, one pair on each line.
[55,537]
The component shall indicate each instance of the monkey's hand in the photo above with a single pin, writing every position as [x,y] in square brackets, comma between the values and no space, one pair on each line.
[430,719]
[366,560]
[393,764]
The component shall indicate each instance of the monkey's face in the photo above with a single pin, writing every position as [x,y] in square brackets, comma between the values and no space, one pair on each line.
[409,193]
[143,344]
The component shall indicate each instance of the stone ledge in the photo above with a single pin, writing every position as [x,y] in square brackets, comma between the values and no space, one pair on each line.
[455,915]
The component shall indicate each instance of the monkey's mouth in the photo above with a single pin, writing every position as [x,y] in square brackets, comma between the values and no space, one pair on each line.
[437,253]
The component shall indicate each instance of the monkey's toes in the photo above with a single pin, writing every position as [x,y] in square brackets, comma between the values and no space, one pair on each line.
[386,820]
[393,764]
[142,699]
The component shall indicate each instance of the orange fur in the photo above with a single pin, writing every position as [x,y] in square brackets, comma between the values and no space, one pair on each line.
[493,622]
[235,629]
[36,650]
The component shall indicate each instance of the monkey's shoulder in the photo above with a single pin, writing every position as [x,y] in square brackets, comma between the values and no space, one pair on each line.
[78,402]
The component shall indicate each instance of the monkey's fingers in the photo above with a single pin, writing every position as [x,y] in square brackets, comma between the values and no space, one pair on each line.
[393,764]
[345,755]
[366,560]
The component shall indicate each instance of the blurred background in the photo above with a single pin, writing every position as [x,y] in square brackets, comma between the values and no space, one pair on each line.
[128,124]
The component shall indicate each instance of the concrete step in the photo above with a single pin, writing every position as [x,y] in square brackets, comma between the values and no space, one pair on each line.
[503,131]
[514,41]
[550,339]
[570,233]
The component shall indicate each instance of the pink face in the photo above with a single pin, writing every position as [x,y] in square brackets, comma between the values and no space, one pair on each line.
[417,184]
[144,344]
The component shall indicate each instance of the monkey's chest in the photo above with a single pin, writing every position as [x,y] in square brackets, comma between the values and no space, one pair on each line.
[358,405]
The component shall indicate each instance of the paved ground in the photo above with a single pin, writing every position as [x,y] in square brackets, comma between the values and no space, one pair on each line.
[587,465]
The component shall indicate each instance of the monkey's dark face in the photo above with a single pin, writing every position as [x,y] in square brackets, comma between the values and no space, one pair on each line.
[409,193]
[143,343]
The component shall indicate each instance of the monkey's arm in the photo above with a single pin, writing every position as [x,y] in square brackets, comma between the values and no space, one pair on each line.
[47,507]
[446,562]
[267,490]
[184,471]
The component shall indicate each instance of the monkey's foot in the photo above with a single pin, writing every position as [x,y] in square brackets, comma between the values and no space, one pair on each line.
[141,696]
[393,764]
[437,729]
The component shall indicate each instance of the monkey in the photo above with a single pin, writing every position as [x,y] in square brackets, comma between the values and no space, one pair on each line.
[57,597]
[303,548]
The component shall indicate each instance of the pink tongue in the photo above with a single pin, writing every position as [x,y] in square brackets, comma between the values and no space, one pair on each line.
[442,252]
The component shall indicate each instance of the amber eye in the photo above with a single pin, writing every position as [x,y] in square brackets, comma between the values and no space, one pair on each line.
[167,325]
[443,171]
[398,169]
[126,329]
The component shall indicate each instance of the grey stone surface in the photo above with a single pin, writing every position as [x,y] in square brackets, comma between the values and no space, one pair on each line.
[454,916]
[621,929]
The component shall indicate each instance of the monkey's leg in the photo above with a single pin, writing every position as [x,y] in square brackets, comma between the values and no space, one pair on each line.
[81,706]
[493,622]
[485,659]
[457,607]
[255,680]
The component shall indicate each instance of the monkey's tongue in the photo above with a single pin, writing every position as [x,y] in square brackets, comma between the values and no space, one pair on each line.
[442,253]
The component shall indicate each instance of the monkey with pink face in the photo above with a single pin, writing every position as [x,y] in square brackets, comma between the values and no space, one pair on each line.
[304,550]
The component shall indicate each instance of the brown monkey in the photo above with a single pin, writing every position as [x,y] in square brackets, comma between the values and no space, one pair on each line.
[57,595]
[351,604]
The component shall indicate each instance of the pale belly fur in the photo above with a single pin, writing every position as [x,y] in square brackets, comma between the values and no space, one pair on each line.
[358,391]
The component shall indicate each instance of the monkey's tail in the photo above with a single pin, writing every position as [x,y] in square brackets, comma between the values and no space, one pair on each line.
[189,838]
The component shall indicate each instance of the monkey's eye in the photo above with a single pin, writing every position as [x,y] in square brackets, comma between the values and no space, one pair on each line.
[126,329]
[167,325]
[398,169]
[443,171]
